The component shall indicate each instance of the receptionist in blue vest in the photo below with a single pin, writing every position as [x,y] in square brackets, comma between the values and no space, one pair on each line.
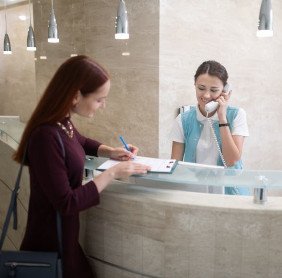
[193,140]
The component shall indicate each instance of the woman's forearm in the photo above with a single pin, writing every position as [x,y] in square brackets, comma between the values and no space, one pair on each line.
[230,151]
[177,151]
[104,179]
[105,151]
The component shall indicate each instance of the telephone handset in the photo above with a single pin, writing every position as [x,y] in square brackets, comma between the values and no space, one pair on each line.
[213,105]
[209,108]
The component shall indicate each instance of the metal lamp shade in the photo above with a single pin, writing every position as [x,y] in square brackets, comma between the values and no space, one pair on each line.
[31,45]
[122,22]
[265,19]
[52,28]
[7,45]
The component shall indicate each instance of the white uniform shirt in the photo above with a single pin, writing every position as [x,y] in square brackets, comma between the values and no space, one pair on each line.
[207,152]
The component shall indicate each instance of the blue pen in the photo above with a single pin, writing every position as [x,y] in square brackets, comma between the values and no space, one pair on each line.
[124,143]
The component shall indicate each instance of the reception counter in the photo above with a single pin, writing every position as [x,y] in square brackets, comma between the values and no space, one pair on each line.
[154,226]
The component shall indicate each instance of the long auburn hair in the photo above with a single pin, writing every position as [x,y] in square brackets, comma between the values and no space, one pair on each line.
[79,73]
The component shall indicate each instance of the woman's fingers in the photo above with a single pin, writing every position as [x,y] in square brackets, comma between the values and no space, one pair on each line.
[126,169]
[141,167]
[122,154]
[133,149]
[226,95]
[137,168]
[221,100]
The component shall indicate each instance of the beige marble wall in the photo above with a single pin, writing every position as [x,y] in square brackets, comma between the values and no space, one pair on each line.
[168,40]
[17,71]
[88,26]
[194,31]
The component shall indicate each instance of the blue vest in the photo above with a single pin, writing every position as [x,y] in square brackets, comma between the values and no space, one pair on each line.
[192,129]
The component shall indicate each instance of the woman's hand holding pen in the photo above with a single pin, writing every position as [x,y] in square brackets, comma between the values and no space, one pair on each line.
[122,154]
[121,170]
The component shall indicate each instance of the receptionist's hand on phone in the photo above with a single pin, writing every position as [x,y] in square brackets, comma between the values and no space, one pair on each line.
[223,103]
[122,154]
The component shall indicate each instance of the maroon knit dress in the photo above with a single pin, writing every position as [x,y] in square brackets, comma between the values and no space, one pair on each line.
[56,185]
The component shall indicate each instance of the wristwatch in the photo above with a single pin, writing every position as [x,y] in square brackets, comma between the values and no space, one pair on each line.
[226,124]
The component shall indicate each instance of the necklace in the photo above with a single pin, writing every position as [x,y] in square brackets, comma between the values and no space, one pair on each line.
[69,131]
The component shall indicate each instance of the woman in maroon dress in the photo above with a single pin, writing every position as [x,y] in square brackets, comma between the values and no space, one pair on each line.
[80,86]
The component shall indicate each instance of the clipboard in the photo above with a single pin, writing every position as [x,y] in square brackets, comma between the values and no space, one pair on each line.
[158,165]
